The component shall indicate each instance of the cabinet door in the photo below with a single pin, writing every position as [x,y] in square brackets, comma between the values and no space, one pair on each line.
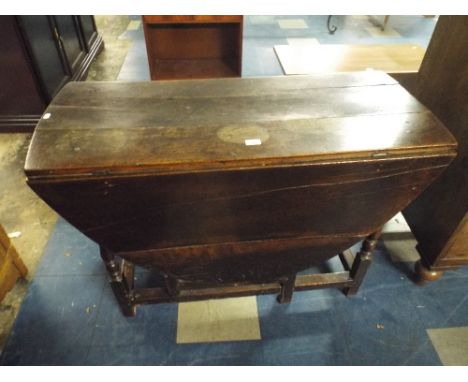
[69,36]
[88,28]
[45,53]
[19,94]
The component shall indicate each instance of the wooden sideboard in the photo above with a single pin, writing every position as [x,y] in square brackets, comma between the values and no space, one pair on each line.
[439,216]
[193,46]
[40,54]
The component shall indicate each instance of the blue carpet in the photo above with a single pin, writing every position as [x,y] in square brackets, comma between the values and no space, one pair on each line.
[70,317]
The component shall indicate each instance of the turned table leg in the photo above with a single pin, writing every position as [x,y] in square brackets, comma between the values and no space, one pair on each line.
[362,262]
[424,274]
[287,289]
[121,281]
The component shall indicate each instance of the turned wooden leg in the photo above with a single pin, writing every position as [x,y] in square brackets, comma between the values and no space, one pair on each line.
[424,274]
[111,264]
[172,284]
[287,289]
[121,281]
[128,275]
[362,262]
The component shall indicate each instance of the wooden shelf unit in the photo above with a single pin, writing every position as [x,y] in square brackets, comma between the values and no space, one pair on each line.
[183,47]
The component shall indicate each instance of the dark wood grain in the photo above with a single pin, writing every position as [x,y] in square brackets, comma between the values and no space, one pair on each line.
[95,126]
[439,217]
[158,211]
[20,93]
[159,175]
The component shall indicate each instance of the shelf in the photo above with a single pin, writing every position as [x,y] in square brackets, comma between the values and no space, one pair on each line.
[193,46]
[195,68]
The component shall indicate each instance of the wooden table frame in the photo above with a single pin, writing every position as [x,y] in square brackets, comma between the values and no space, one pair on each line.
[163,176]
[121,274]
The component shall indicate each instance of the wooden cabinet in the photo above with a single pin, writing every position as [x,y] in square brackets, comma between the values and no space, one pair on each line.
[43,52]
[70,41]
[193,46]
[40,54]
[439,217]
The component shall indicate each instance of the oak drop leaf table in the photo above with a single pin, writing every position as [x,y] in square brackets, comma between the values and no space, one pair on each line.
[230,187]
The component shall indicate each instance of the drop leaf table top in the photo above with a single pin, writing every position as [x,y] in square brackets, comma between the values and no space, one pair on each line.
[231,186]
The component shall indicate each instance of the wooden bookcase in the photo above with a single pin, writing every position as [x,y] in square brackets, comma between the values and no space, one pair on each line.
[181,47]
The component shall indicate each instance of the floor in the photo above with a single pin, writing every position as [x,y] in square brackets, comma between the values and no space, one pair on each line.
[69,315]
[27,219]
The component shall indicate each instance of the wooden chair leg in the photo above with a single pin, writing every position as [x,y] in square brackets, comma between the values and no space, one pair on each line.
[362,262]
